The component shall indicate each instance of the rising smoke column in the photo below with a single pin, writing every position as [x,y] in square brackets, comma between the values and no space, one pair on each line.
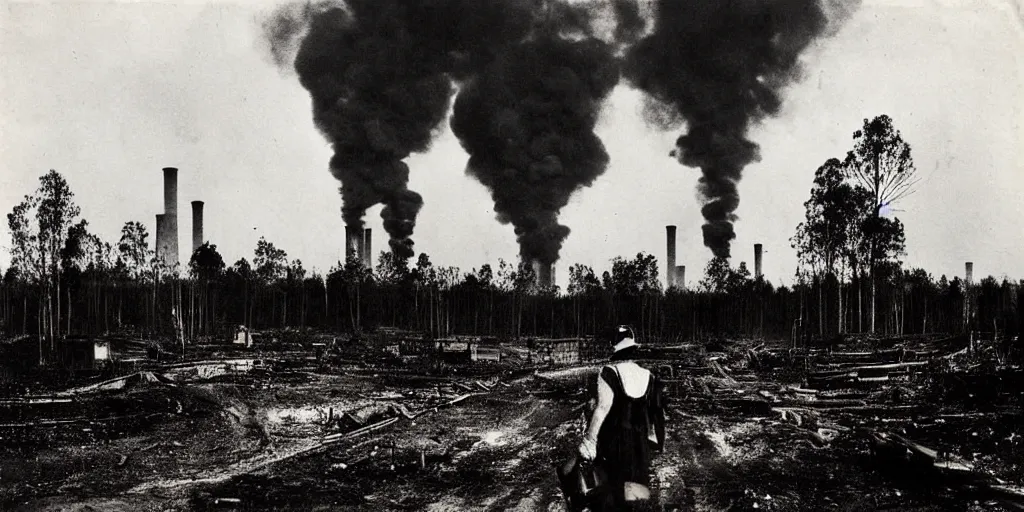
[629,22]
[527,122]
[380,76]
[719,65]
[377,98]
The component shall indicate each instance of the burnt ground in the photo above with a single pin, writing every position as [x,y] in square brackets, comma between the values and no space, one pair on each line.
[487,438]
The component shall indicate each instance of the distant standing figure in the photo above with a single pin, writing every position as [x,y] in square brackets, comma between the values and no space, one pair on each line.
[627,423]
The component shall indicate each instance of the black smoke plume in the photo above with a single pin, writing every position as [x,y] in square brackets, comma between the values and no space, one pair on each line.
[720,65]
[629,23]
[527,121]
[380,76]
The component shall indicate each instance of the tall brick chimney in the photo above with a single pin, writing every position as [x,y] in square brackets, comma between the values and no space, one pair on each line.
[543,273]
[197,225]
[368,248]
[353,243]
[670,261]
[169,240]
[757,261]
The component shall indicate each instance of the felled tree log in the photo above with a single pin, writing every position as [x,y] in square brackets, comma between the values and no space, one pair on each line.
[929,463]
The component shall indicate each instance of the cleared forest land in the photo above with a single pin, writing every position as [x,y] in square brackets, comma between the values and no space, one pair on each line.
[916,423]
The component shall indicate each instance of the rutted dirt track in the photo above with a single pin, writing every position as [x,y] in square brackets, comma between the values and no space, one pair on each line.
[742,436]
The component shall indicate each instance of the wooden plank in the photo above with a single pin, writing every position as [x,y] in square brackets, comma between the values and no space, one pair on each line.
[721,371]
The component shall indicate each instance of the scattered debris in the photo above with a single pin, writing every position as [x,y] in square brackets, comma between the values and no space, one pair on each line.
[753,425]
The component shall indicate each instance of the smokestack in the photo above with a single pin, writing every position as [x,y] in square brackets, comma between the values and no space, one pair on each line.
[197,225]
[681,277]
[544,273]
[353,243]
[170,190]
[368,248]
[670,262]
[757,261]
[171,215]
[532,175]
[746,52]
[969,272]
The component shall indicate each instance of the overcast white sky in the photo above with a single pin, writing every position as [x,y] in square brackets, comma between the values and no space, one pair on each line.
[109,93]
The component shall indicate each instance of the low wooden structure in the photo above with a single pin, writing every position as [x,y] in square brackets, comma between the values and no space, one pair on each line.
[242,337]
[85,353]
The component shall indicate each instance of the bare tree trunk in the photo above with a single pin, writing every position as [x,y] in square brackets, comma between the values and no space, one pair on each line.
[181,312]
[351,309]
[924,319]
[50,320]
[416,306]
[552,319]
[860,304]
[799,333]
[206,310]
[212,318]
[40,331]
[903,311]
[839,307]
[821,310]
[245,304]
[518,309]
[192,309]
[871,255]
[56,317]
[152,308]
[106,311]
[872,324]
[576,314]
[200,310]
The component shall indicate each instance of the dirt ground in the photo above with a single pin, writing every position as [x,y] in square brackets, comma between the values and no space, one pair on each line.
[376,438]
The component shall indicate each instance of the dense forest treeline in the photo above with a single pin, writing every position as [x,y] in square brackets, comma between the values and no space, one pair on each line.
[103,293]
[64,280]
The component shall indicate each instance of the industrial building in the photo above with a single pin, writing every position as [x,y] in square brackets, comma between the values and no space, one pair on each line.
[167,222]
[675,275]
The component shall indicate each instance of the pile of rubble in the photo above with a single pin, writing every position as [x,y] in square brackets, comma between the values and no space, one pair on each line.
[876,400]
[752,426]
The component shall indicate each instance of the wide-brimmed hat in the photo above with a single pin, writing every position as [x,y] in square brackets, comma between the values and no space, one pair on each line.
[623,338]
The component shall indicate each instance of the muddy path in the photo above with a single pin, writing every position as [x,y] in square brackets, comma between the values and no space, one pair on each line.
[245,435]
[379,442]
